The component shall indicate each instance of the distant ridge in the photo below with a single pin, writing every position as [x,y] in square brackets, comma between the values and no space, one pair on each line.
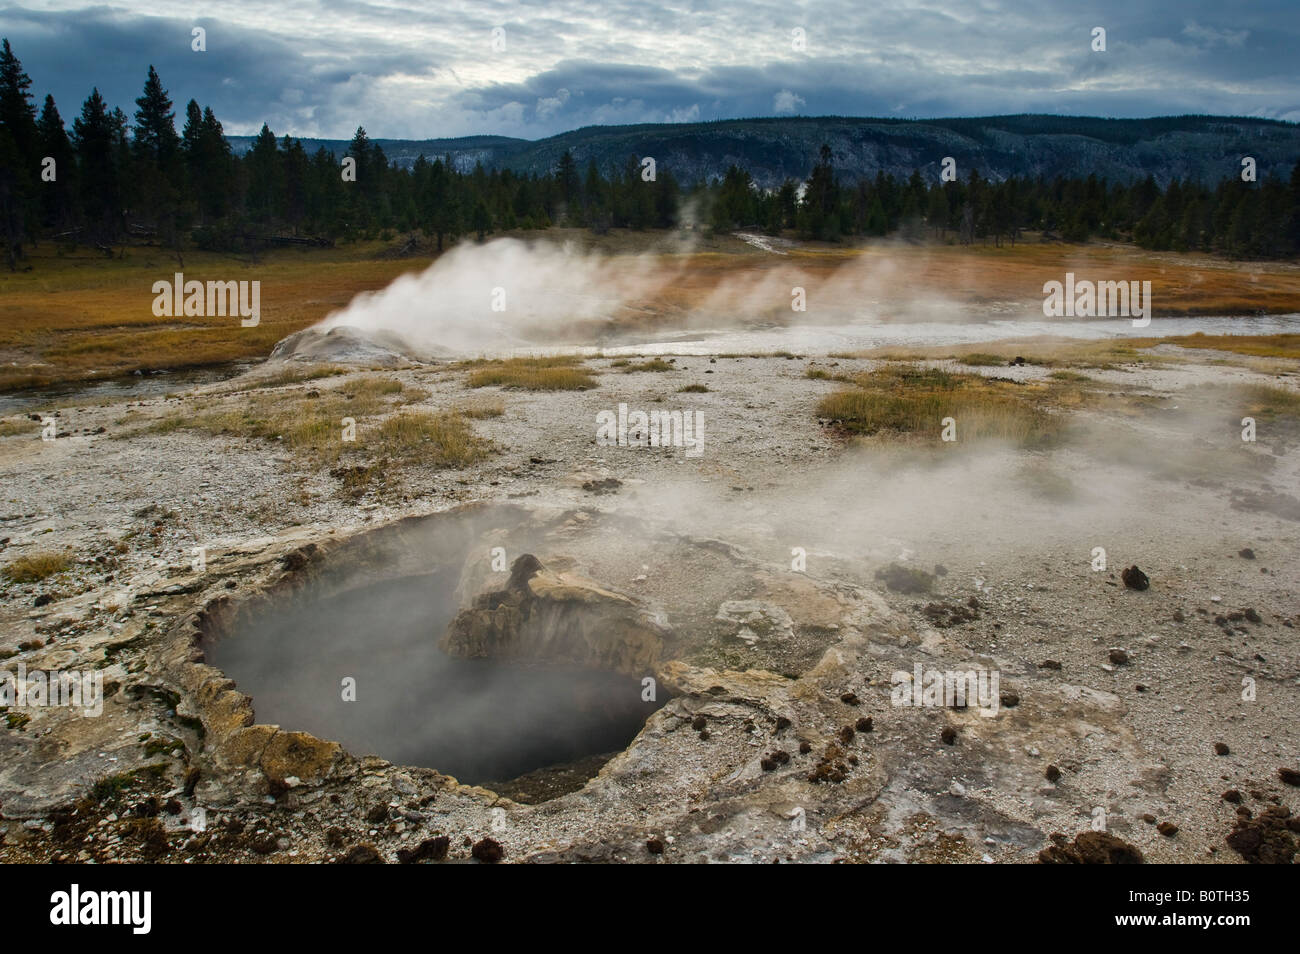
[1199,148]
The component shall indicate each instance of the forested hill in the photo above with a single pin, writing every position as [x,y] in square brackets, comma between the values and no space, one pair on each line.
[1195,148]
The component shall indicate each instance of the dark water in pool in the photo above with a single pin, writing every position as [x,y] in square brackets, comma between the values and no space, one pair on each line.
[141,386]
[475,719]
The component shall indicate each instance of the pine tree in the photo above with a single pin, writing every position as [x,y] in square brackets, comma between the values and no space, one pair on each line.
[821,199]
[98,140]
[1293,216]
[156,180]
[295,166]
[17,114]
[193,130]
[155,124]
[11,199]
[216,168]
[570,186]
[443,201]
[265,178]
[19,159]
[57,197]
[595,201]
[479,220]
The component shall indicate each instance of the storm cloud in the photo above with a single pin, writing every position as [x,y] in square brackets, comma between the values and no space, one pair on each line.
[532,69]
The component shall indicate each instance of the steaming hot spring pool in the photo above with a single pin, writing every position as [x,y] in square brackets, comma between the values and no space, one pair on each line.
[482,721]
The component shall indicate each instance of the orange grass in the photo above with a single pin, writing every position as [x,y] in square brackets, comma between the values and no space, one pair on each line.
[83,316]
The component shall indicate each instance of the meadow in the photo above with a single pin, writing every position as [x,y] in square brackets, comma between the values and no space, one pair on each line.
[78,315]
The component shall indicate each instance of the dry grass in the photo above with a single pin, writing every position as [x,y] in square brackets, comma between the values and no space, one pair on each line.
[1267,401]
[374,384]
[76,316]
[297,375]
[1042,350]
[982,359]
[430,439]
[36,567]
[558,373]
[898,400]
[654,364]
[1257,346]
[81,315]
[308,423]
[693,389]
[1106,354]
[479,410]
[19,425]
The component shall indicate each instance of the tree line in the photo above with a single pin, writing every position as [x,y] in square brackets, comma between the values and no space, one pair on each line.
[113,179]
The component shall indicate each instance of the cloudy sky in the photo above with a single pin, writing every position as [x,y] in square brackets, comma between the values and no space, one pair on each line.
[410,69]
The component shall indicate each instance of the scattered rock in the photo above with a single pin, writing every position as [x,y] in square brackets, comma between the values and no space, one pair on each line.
[901,579]
[949,736]
[1090,848]
[1135,579]
[1168,829]
[1267,840]
[1289,775]
[431,849]
[946,615]
[655,846]
[1246,553]
[1221,748]
[1118,657]
[361,855]
[1053,774]
[488,851]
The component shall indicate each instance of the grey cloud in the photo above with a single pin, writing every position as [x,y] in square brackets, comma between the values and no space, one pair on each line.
[421,70]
